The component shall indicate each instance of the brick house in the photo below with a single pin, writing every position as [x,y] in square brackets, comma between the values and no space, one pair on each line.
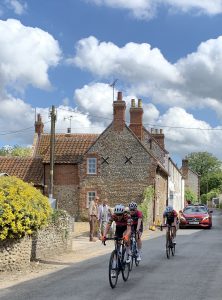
[117,164]
[192,179]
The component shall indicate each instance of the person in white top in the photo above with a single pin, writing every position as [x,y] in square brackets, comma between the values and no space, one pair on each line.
[104,214]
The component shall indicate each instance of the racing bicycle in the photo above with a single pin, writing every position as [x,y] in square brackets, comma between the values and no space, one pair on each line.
[170,246]
[117,262]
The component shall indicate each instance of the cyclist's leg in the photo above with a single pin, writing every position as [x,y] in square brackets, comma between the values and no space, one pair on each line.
[127,245]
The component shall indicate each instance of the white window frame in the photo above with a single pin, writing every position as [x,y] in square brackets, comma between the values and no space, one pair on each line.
[92,165]
[90,196]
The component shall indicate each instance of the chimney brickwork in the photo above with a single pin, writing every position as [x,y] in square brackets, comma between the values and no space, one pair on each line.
[119,109]
[136,118]
[39,126]
[159,136]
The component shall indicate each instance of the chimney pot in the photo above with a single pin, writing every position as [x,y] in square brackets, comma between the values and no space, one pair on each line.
[119,96]
[68,130]
[133,103]
[140,103]
[161,131]
[156,131]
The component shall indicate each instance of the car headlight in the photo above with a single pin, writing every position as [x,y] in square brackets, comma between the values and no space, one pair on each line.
[205,218]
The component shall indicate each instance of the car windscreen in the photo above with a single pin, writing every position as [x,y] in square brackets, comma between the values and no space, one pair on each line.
[195,209]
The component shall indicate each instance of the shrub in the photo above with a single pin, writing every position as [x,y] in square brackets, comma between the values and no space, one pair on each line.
[147,198]
[23,209]
[190,195]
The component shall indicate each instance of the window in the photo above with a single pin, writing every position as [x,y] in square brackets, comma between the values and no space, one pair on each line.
[91,165]
[90,196]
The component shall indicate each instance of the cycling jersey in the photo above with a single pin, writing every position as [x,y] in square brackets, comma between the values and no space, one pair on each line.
[137,215]
[170,216]
[121,223]
[124,221]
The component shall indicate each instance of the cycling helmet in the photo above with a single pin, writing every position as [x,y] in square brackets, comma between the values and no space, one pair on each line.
[169,208]
[132,205]
[119,209]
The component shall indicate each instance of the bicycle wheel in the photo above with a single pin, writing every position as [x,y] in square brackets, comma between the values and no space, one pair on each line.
[173,249]
[125,266]
[168,249]
[132,255]
[113,269]
[136,261]
[131,263]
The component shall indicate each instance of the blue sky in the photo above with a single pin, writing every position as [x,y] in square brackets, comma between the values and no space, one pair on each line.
[66,53]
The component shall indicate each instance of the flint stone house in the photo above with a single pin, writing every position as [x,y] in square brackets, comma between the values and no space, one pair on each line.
[192,179]
[117,164]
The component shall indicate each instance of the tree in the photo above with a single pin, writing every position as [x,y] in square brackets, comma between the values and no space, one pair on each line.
[203,163]
[15,151]
[211,181]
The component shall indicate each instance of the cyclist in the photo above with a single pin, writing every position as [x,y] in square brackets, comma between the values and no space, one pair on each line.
[170,218]
[123,227]
[137,225]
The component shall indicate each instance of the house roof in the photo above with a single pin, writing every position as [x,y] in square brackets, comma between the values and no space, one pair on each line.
[69,148]
[155,141]
[26,168]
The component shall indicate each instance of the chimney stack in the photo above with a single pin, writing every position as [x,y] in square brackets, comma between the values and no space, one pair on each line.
[159,136]
[39,125]
[119,108]
[136,118]
[185,167]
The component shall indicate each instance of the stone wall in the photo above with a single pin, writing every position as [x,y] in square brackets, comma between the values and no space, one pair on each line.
[55,239]
[15,254]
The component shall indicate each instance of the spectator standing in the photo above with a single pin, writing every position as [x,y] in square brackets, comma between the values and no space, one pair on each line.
[104,214]
[93,214]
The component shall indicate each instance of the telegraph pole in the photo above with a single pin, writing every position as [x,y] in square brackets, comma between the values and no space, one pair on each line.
[52,151]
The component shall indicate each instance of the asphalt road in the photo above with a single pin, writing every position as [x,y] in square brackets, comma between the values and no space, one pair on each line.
[194,273]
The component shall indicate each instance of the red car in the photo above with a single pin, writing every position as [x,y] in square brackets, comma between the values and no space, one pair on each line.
[196,216]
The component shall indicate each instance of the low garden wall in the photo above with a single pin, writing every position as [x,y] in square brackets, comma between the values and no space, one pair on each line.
[16,254]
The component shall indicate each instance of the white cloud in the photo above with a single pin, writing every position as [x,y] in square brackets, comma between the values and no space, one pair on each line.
[26,54]
[202,71]
[147,9]
[181,141]
[18,7]
[193,81]
[136,63]
[95,99]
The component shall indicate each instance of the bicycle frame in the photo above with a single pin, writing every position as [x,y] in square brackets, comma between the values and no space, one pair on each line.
[134,249]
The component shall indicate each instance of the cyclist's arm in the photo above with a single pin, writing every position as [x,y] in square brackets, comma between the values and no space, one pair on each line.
[175,221]
[107,229]
[139,224]
[164,219]
[128,230]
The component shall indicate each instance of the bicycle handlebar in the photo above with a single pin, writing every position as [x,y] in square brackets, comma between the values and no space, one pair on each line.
[111,239]
[167,225]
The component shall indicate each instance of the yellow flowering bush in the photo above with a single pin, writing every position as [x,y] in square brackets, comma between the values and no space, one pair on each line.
[23,208]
